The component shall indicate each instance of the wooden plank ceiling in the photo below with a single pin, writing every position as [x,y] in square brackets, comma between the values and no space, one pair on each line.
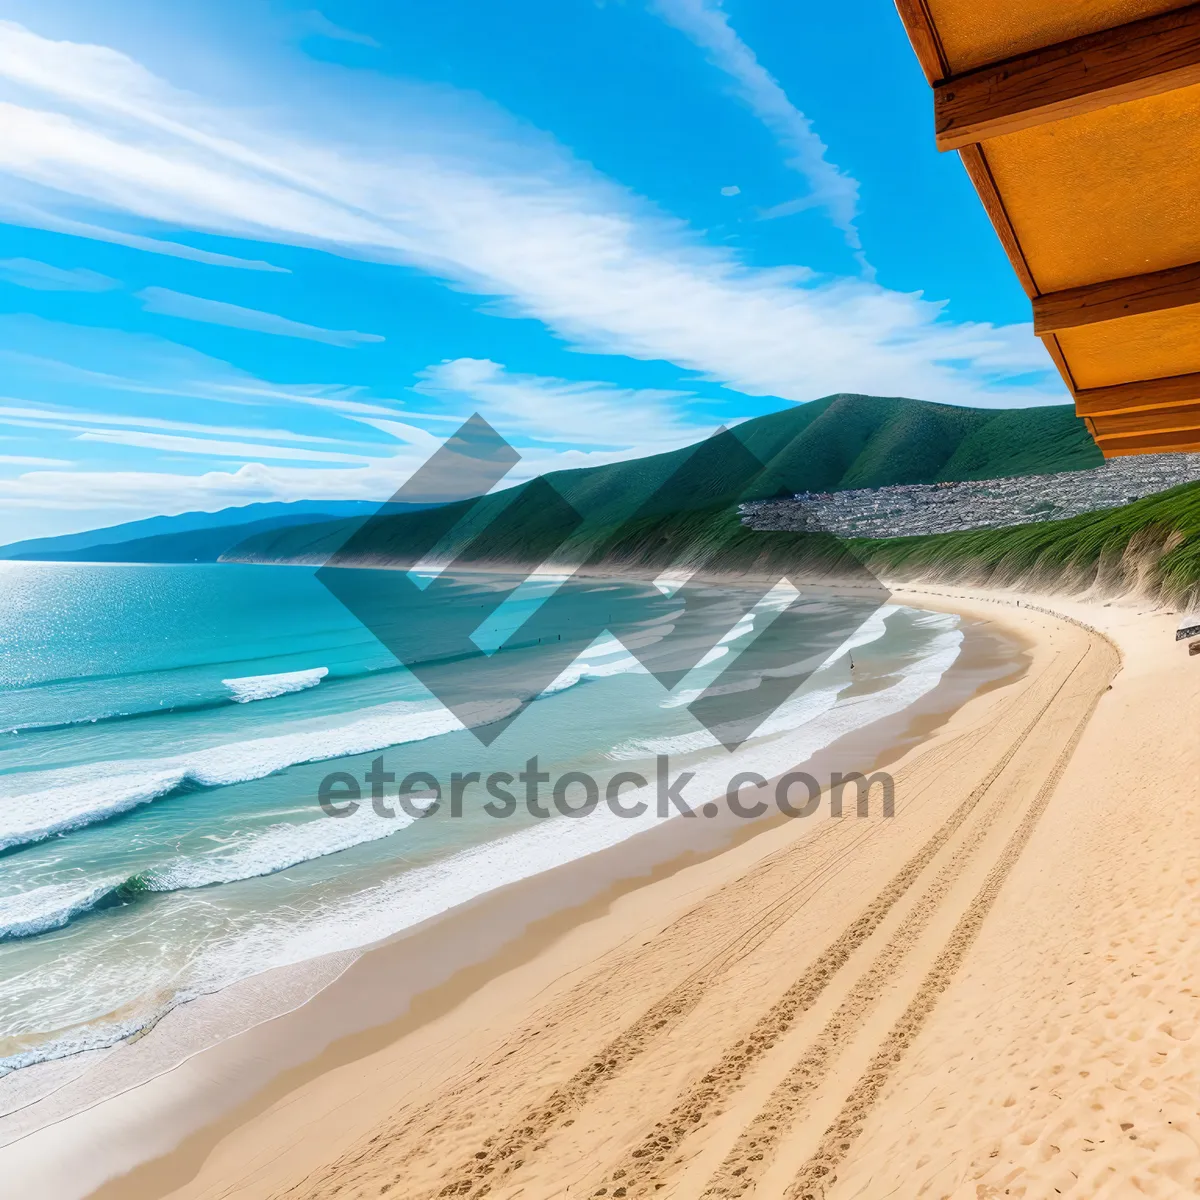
[1078,121]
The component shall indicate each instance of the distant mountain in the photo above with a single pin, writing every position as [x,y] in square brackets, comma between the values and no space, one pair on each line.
[839,442]
[188,537]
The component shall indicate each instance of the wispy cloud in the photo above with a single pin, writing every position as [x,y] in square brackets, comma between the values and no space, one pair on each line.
[42,277]
[64,362]
[159,491]
[217,312]
[73,419]
[376,442]
[213,448]
[30,460]
[561,411]
[114,403]
[144,491]
[318,23]
[34,217]
[539,234]
[707,24]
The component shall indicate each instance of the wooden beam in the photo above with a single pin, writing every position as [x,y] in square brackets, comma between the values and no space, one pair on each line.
[1143,58]
[922,32]
[977,167]
[1138,396]
[1060,361]
[1153,420]
[1116,298]
[1182,442]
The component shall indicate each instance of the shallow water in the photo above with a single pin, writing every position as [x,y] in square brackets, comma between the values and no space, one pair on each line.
[168,729]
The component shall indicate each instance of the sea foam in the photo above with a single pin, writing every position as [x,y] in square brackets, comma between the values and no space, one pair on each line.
[812,723]
[405,900]
[266,687]
[266,851]
[42,909]
[68,800]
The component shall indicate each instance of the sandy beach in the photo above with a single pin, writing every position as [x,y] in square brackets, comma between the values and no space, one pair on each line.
[990,994]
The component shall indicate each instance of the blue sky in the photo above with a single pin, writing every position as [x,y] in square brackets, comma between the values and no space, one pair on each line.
[265,251]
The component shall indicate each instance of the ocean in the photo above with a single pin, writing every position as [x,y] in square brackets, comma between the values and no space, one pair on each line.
[165,732]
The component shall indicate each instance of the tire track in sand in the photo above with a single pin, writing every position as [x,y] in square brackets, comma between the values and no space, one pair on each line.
[819,1173]
[497,1158]
[751,1155]
[414,1144]
[639,1170]
[420,1127]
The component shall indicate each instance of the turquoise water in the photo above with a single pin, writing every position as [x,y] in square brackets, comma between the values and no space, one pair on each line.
[164,731]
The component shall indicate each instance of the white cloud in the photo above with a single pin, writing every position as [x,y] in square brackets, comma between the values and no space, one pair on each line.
[146,492]
[581,413]
[42,277]
[211,448]
[732,190]
[707,24]
[131,493]
[539,233]
[318,23]
[216,312]
[62,361]
[525,407]
[106,366]
[30,415]
[30,460]
[31,216]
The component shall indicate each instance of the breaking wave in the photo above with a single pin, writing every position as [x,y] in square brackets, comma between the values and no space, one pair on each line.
[273,849]
[267,687]
[68,801]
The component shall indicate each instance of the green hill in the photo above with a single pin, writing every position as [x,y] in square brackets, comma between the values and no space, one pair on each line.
[843,441]
[1152,544]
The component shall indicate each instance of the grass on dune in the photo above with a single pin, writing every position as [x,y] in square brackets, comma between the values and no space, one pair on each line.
[1153,542]
[1160,533]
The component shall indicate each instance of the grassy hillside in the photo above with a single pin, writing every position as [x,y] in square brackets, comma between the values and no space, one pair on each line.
[873,441]
[843,441]
[1152,544]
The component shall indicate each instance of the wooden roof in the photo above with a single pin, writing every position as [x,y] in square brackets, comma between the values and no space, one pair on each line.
[1079,123]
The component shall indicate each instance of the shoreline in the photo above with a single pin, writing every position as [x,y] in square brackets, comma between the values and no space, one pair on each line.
[1013,1010]
[492,932]
[19,1089]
